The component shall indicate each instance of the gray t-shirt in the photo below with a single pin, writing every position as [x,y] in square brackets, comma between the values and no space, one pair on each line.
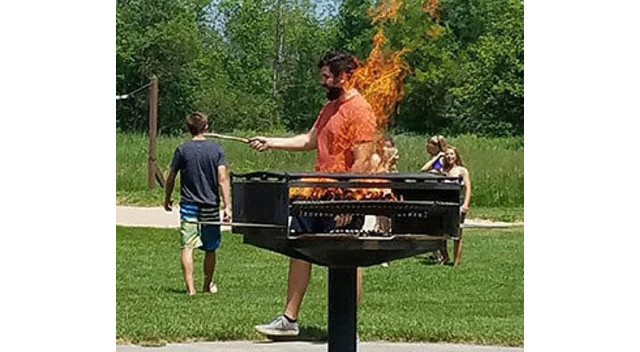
[198,163]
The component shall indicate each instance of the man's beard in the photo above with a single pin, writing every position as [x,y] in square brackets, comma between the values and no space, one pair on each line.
[333,93]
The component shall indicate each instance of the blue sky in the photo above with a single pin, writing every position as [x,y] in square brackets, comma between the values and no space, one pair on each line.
[323,8]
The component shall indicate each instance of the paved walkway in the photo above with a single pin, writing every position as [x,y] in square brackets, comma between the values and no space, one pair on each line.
[158,217]
[267,346]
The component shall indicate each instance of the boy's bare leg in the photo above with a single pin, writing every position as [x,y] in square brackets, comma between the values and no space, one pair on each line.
[299,276]
[187,269]
[209,269]
[457,252]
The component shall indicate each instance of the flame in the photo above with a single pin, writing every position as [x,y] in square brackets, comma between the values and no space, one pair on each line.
[386,10]
[335,193]
[380,79]
[432,7]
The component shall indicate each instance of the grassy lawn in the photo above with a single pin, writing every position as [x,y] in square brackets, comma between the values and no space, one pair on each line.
[514,214]
[482,301]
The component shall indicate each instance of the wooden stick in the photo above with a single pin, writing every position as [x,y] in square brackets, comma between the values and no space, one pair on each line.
[222,136]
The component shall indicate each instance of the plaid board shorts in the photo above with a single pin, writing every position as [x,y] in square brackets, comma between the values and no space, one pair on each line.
[208,237]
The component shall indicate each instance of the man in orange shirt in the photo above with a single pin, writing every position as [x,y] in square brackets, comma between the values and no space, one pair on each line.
[343,136]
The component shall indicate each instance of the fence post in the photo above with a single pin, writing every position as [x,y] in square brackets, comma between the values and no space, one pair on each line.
[153,130]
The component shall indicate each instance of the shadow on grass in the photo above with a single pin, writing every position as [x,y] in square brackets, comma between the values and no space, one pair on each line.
[431,259]
[173,290]
[307,334]
[150,343]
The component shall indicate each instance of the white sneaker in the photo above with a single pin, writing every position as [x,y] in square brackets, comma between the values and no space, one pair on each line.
[280,326]
[213,288]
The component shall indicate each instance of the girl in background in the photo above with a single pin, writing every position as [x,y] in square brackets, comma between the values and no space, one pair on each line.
[391,155]
[436,147]
[454,167]
[388,165]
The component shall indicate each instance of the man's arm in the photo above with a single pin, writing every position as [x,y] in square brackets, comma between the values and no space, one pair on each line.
[171,180]
[301,142]
[225,188]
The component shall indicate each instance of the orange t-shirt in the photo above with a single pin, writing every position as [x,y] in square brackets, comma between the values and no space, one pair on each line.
[340,126]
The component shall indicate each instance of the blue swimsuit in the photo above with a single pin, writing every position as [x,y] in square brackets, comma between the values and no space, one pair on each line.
[438,165]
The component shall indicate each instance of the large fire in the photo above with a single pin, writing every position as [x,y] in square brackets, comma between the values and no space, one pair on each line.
[380,79]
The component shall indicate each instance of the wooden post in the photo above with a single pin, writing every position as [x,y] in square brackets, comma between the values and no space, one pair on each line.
[153,131]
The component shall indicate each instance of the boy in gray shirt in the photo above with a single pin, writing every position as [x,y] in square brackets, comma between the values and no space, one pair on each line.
[203,170]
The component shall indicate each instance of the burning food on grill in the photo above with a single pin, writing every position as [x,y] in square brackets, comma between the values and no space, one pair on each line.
[335,193]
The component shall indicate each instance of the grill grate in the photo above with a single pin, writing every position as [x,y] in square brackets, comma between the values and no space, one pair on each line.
[412,209]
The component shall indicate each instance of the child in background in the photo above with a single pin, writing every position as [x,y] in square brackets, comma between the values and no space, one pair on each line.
[454,167]
[202,167]
[391,156]
[436,147]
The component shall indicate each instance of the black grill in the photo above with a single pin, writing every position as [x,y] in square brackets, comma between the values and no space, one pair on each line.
[426,207]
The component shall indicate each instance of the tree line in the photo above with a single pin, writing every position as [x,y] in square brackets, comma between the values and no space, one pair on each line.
[252,64]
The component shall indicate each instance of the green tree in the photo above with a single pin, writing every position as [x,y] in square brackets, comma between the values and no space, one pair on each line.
[161,37]
[354,27]
[468,69]
[307,38]
[488,96]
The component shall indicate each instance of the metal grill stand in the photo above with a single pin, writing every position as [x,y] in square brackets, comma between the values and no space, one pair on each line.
[343,309]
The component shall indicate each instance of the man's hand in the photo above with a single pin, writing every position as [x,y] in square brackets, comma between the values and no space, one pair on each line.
[168,203]
[440,155]
[259,143]
[465,208]
[226,214]
[343,220]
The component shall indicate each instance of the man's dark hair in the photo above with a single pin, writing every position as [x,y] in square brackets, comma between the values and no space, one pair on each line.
[339,62]
[197,123]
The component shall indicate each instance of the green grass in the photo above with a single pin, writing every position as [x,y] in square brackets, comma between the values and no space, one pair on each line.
[514,214]
[496,166]
[480,301]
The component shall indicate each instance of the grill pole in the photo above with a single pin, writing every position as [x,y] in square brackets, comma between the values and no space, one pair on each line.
[153,131]
[343,309]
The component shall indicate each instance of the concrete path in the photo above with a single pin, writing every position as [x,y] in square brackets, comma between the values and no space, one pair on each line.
[147,217]
[158,217]
[267,346]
